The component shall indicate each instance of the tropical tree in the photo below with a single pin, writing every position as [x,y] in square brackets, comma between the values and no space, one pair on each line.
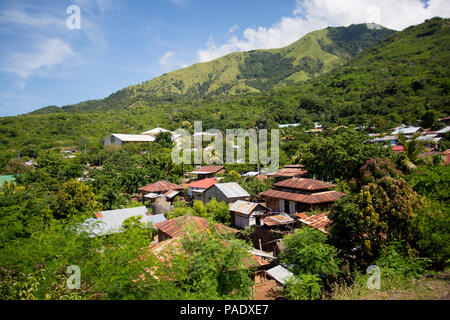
[306,251]
[414,150]
[304,287]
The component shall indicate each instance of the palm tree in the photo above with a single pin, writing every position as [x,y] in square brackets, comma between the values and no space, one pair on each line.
[414,149]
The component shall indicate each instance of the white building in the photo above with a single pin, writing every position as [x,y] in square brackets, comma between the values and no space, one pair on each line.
[121,139]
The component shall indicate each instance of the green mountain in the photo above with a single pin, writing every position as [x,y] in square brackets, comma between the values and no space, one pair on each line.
[248,72]
[399,79]
[395,81]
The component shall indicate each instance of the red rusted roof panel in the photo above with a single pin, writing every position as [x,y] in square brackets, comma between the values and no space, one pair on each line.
[202,184]
[175,227]
[305,184]
[315,198]
[161,186]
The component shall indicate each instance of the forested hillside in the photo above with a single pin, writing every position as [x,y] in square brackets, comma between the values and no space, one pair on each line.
[248,72]
[392,82]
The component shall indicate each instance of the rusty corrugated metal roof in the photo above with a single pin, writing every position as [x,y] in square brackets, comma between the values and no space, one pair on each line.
[290,172]
[315,198]
[175,227]
[171,193]
[305,184]
[208,169]
[161,186]
[318,221]
[278,219]
[202,184]
[244,207]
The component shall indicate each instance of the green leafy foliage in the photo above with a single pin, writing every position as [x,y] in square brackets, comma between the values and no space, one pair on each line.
[340,155]
[306,251]
[304,287]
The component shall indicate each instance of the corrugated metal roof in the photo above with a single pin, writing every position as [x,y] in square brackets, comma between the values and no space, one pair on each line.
[315,198]
[444,130]
[406,130]
[133,137]
[251,174]
[290,172]
[163,251]
[398,148]
[305,184]
[175,227]
[152,195]
[232,190]
[161,186]
[202,184]
[318,221]
[171,193]
[207,170]
[155,131]
[280,274]
[279,219]
[244,207]
[112,221]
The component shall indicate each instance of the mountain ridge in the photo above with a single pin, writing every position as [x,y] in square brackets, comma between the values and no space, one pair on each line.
[253,71]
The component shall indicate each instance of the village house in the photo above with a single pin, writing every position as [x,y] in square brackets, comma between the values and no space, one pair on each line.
[111,221]
[161,194]
[121,139]
[244,214]
[299,195]
[155,132]
[200,185]
[176,227]
[207,172]
[290,171]
[227,192]
[406,131]
[318,221]
[160,188]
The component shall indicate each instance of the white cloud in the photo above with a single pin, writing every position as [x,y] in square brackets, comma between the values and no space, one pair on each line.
[21,17]
[47,54]
[167,58]
[311,15]
[43,41]
[233,28]
[169,62]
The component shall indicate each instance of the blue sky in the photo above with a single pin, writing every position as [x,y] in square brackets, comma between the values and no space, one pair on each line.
[121,43]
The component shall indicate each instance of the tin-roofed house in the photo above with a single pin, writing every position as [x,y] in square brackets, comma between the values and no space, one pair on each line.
[318,221]
[227,192]
[200,185]
[245,214]
[176,227]
[290,171]
[207,172]
[121,139]
[111,221]
[300,194]
[161,194]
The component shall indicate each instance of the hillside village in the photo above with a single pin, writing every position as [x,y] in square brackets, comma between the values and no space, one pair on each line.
[295,200]
[362,188]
